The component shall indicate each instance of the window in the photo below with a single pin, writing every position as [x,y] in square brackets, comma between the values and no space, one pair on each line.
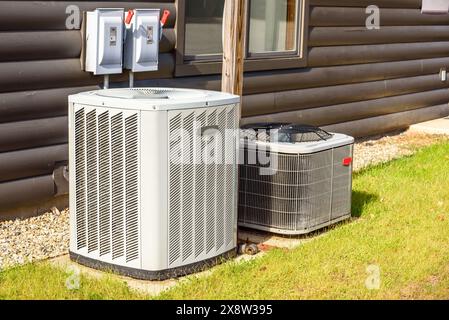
[272,26]
[274,39]
[203,28]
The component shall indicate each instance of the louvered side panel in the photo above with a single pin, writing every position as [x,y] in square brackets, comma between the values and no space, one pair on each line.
[132,188]
[107,184]
[341,183]
[92,186]
[175,189]
[188,187]
[118,184]
[201,219]
[104,182]
[221,196]
[230,175]
[211,187]
[80,180]
[200,190]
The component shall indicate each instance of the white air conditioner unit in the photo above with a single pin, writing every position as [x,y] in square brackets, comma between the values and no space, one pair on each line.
[153,180]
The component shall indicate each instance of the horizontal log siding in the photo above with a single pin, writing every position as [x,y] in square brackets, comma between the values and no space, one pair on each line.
[45,45]
[46,74]
[390,122]
[51,15]
[321,116]
[31,162]
[24,191]
[344,17]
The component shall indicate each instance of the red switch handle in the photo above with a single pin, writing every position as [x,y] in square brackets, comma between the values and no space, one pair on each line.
[165,16]
[129,16]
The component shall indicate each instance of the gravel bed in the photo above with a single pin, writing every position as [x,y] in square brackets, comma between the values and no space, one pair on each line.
[380,149]
[47,236]
[33,239]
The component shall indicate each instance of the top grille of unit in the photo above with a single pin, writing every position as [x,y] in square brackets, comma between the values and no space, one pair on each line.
[151,94]
[282,132]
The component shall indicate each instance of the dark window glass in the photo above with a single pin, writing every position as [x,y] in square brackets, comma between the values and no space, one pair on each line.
[203,27]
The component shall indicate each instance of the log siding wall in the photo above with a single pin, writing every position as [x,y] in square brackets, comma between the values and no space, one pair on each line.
[356,81]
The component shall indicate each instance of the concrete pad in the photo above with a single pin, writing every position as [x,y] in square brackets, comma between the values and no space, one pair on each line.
[269,240]
[151,288]
[437,126]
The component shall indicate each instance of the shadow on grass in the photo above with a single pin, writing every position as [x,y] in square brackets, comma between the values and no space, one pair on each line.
[360,200]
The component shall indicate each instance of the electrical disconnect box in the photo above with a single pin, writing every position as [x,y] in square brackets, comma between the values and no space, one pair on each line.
[142,40]
[104,41]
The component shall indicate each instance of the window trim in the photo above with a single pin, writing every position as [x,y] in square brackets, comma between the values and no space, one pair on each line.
[275,61]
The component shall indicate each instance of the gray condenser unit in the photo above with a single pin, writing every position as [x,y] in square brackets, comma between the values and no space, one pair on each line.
[294,179]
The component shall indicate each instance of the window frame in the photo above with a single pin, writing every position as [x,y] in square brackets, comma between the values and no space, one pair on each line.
[212,64]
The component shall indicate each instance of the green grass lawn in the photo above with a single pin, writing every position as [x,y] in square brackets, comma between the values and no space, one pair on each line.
[45,281]
[401,226]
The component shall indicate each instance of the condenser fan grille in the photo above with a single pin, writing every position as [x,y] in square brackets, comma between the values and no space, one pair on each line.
[281,132]
[152,94]
[304,133]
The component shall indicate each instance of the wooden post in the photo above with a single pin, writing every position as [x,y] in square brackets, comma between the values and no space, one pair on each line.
[233,52]
[290,39]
